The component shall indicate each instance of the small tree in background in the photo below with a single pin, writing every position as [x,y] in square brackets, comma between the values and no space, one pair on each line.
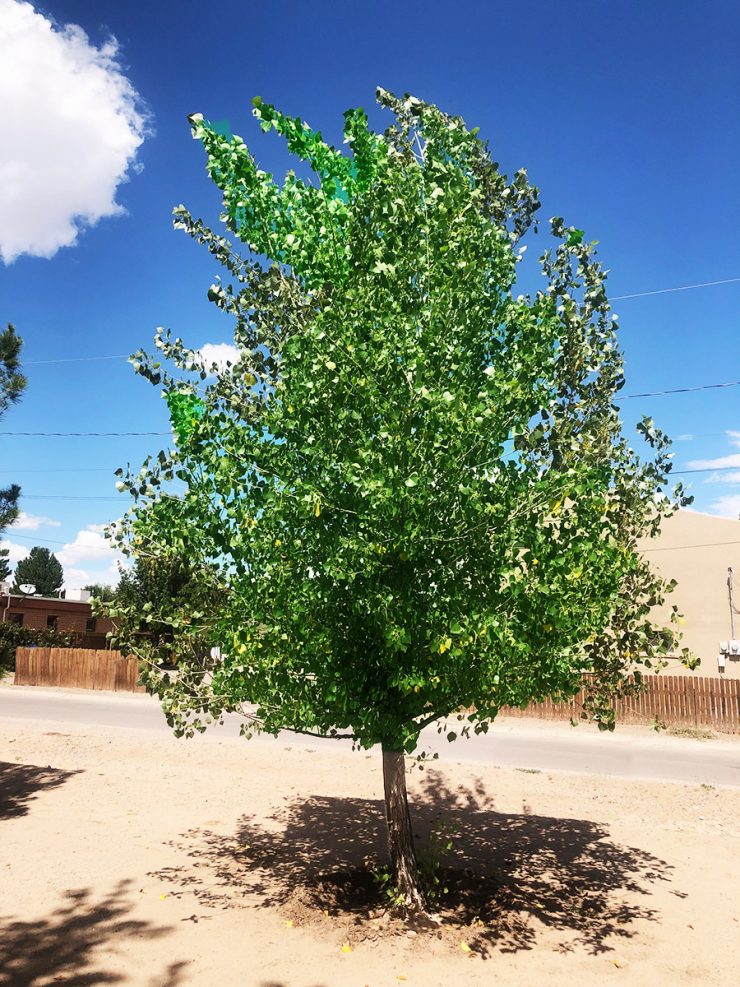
[42,569]
[101,591]
[150,592]
[410,495]
[12,383]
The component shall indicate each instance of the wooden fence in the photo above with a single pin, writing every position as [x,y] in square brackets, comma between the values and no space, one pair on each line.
[77,668]
[674,700]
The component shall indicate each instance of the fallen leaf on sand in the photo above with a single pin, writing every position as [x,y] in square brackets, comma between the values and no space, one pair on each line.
[346,948]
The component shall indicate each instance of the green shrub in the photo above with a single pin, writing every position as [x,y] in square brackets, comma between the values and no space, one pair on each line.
[14,636]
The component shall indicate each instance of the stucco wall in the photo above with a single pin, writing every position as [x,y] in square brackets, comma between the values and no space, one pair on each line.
[696,549]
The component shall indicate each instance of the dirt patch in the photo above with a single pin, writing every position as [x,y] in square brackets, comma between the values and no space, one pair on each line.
[147,861]
[314,861]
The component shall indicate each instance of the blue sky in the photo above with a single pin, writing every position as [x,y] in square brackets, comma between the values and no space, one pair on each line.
[624,114]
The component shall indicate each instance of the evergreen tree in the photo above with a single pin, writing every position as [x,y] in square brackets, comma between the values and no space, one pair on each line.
[42,569]
[12,383]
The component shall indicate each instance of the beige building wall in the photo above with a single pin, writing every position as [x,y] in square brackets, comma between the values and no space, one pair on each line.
[696,549]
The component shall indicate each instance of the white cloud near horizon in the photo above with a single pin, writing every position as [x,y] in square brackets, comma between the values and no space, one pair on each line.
[32,522]
[72,126]
[219,353]
[727,506]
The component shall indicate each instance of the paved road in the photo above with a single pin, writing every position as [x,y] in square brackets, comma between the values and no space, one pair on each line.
[628,753]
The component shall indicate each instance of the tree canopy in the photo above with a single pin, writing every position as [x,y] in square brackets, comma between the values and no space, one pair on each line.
[42,569]
[411,490]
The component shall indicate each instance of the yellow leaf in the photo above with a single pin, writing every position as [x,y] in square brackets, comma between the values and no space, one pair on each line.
[346,948]
[617,964]
[162,897]
[289,923]
[464,947]
[317,509]
[400,977]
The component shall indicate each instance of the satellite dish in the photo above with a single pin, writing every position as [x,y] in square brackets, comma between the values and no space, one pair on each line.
[28,588]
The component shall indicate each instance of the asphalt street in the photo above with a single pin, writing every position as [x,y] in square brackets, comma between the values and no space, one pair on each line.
[629,752]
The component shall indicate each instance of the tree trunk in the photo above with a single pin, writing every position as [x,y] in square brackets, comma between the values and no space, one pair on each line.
[400,836]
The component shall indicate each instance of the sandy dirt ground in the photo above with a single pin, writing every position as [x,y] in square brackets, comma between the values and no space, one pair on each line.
[138,860]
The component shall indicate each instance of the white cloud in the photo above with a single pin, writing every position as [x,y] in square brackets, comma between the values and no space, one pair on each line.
[687,437]
[722,462]
[727,506]
[714,464]
[219,353]
[72,125]
[724,478]
[89,559]
[32,522]
[88,545]
[16,552]
[77,578]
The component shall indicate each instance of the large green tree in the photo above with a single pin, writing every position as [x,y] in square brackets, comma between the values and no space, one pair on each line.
[411,488]
[42,569]
[12,383]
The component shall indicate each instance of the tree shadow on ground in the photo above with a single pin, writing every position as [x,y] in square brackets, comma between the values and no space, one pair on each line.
[61,946]
[19,784]
[508,873]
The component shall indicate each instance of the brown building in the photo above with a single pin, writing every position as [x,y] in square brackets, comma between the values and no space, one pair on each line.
[66,616]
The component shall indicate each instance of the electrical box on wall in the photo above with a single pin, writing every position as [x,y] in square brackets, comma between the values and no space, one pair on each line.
[730,648]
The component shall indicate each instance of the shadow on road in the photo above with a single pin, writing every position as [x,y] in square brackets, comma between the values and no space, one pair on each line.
[19,784]
[507,871]
[61,946]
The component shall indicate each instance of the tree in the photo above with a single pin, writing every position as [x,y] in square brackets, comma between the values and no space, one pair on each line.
[411,487]
[12,383]
[42,569]
[101,592]
[150,591]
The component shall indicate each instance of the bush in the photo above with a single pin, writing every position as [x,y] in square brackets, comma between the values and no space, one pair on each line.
[13,636]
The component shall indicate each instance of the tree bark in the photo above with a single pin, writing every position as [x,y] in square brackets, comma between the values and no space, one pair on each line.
[400,836]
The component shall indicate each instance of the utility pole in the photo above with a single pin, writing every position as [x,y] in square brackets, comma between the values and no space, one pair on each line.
[732,605]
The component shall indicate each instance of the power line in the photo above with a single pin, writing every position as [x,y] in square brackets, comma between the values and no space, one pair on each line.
[25,496]
[75,359]
[56,541]
[84,435]
[706,469]
[676,390]
[665,291]
[614,298]
[66,469]
[676,548]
